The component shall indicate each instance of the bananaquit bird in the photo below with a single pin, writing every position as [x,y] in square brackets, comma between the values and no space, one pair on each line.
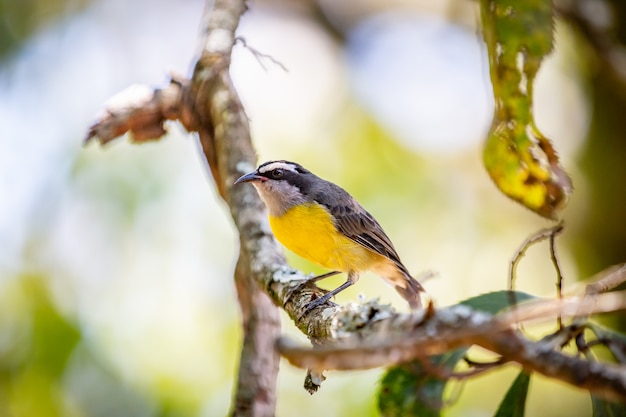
[321,222]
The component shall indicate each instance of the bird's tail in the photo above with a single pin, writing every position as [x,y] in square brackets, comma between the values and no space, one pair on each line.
[409,288]
[398,276]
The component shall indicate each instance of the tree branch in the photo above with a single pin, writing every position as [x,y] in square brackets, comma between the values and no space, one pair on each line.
[387,340]
[225,139]
[142,112]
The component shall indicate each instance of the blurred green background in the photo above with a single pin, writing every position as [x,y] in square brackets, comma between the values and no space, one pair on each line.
[116,297]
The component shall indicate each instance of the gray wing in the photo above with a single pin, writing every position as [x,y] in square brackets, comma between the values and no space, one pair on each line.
[357,224]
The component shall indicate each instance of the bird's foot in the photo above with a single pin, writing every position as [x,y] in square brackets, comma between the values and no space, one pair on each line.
[324,299]
[308,283]
[316,303]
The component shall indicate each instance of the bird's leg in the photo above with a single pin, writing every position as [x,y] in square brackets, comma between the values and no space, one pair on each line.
[313,280]
[308,283]
[352,278]
[319,301]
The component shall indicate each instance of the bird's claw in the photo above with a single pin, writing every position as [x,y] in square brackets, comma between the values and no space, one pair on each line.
[316,303]
[308,283]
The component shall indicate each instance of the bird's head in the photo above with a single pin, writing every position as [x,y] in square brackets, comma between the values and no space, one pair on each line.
[281,184]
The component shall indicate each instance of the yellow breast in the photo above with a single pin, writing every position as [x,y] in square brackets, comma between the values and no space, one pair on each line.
[309,231]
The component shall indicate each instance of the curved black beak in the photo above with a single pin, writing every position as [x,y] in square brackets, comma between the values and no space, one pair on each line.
[251,177]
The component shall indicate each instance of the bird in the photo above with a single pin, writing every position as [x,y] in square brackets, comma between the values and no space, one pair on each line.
[321,222]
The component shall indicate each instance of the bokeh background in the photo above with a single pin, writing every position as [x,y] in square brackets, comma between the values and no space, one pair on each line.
[116,296]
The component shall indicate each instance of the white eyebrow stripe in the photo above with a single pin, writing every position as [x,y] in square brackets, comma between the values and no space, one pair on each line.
[272,166]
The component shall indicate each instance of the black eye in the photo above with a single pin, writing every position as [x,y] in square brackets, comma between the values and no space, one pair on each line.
[277,173]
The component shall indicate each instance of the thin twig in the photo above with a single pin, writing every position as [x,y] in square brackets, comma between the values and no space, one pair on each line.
[478,368]
[477,364]
[607,279]
[557,268]
[540,236]
[616,346]
[561,338]
[260,56]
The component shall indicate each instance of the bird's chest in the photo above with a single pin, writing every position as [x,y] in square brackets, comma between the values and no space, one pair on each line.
[309,231]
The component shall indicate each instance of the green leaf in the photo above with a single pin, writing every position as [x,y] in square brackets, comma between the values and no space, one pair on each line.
[518,157]
[600,406]
[495,302]
[410,390]
[603,408]
[615,341]
[514,402]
